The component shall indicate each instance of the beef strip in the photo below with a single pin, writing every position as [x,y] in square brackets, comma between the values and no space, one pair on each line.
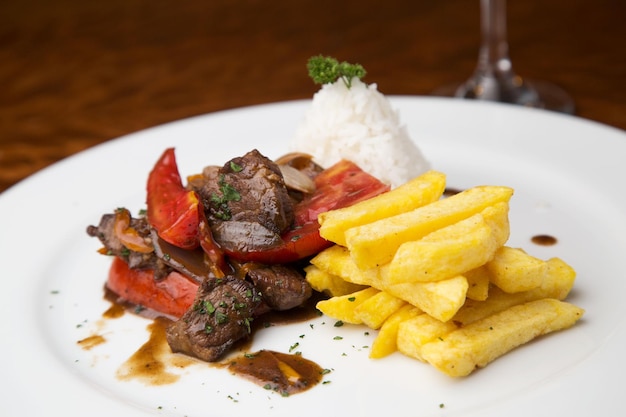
[105,233]
[282,287]
[247,202]
[220,316]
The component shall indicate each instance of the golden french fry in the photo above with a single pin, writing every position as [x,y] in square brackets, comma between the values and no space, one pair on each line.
[418,192]
[513,270]
[559,280]
[375,310]
[337,261]
[386,341]
[329,284]
[440,299]
[376,243]
[414,333]
[450,251]
[478,280]
[557,283]
[497,217]
[343,307]
[477,344]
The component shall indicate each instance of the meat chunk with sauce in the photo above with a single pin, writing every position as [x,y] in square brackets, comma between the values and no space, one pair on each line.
[221,315]
[247,202]
[282,287]
[105,232]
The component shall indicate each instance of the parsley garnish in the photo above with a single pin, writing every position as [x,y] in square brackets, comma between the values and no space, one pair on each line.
[235,167]
[324,70]
[205,307]
[220,203]
[221,318]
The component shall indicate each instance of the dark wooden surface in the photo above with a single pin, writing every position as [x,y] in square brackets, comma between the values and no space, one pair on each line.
[77,73]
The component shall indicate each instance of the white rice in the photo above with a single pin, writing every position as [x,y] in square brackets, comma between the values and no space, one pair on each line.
[359,124]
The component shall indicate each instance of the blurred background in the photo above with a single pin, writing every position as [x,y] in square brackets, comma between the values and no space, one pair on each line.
[77,73]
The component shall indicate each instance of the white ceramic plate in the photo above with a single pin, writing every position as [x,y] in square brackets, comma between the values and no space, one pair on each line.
[568,175]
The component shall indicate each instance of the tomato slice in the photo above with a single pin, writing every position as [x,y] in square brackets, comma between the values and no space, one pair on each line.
[341,185]
[172,295]
[172,210]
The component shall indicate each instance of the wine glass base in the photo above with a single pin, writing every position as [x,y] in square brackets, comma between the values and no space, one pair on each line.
[551,97]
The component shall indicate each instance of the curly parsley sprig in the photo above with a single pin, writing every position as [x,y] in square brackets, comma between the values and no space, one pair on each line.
[324,70]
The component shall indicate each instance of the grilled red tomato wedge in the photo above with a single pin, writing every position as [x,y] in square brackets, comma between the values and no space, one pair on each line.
[172,295]
[341,185]
[172,210]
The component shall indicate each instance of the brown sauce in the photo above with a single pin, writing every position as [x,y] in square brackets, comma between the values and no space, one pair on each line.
[448,192]
[116,310]
[544,240]
[154,361]
[91,341]
[284,373]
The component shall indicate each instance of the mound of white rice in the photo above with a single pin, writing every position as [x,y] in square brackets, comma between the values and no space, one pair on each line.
[359,124]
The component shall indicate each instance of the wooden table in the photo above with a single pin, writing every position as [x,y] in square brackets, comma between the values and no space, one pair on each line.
[77,73]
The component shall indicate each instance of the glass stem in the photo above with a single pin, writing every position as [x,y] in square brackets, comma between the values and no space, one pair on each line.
[493,78]
[493,59]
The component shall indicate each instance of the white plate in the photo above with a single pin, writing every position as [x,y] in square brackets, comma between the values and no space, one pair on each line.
[569,179]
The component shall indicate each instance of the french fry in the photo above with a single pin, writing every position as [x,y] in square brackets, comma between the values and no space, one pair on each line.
[385,342]
[414,333]
[452,250]
[337,261]
[441,299]
[559,279]
[478,281]
[329,284]
[557,283]
[473,346]
[343,307]
[497,217]
[513,270]
[376,243]
[375,310]
[418,192]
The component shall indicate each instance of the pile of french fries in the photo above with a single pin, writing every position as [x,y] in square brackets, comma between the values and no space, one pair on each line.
[434,276]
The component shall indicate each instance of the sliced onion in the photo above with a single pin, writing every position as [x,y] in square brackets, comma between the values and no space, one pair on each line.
[297,180]
[127,235]
[297,160]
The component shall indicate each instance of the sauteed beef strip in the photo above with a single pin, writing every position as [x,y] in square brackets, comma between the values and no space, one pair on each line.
[220,315]
[246,201]
[136,260]
[282,287]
